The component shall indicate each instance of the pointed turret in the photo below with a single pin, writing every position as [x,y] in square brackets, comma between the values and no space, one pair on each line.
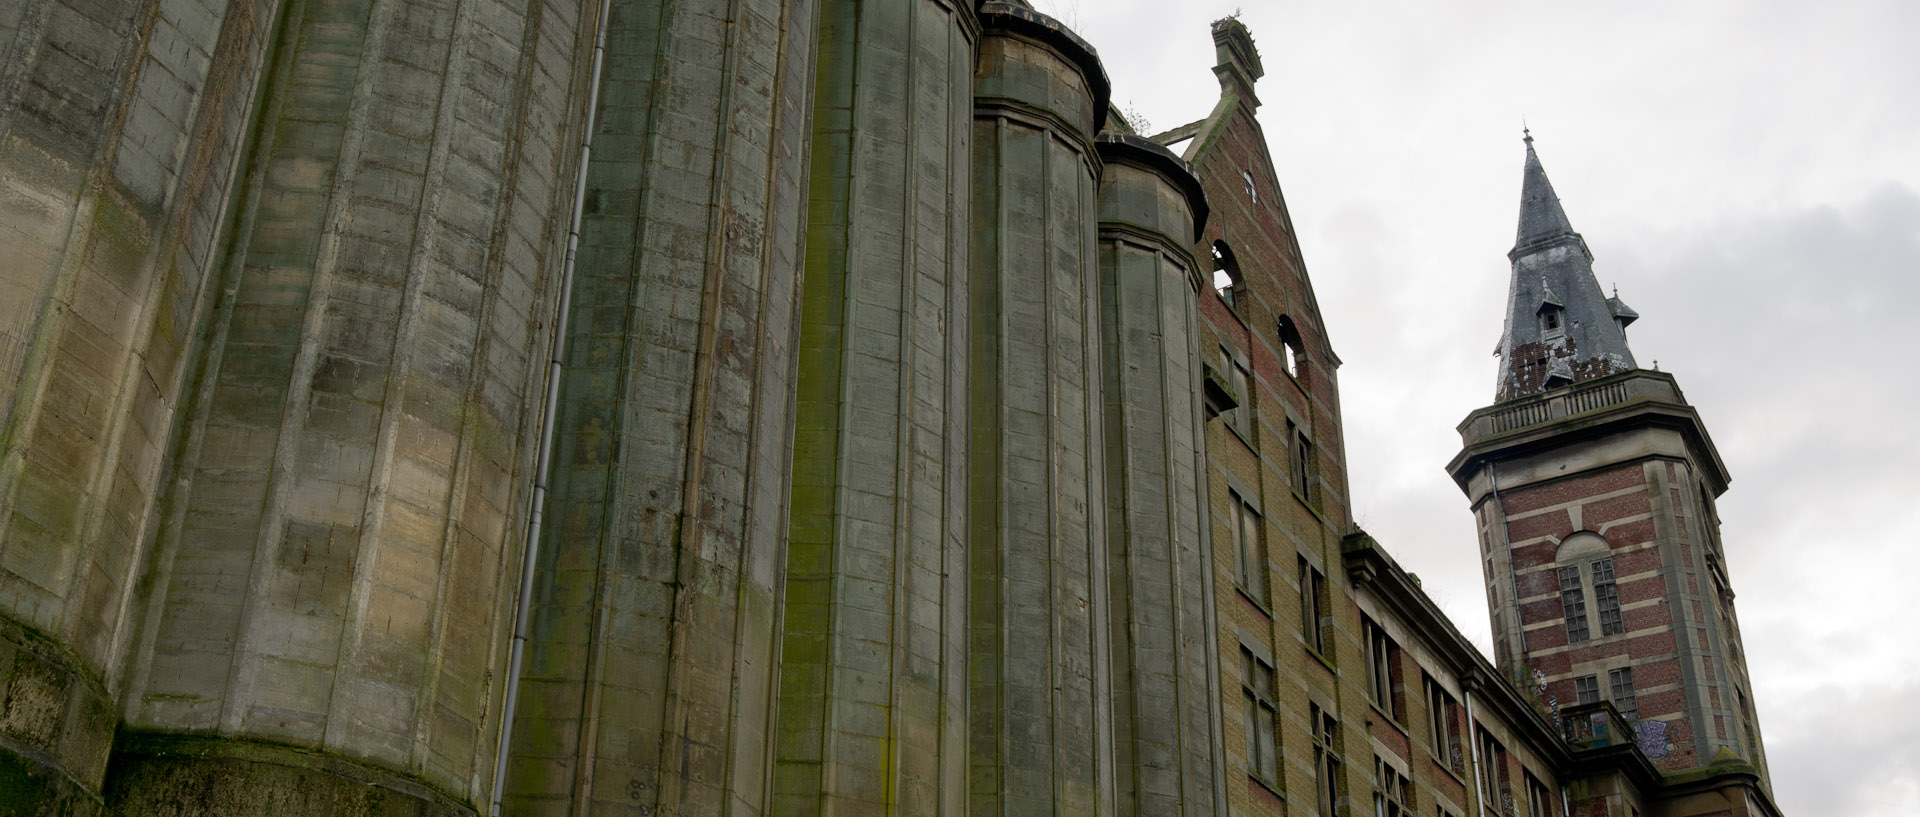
[1541,216]
[1561,328]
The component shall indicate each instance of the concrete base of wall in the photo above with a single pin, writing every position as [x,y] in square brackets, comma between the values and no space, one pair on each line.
[56,726]
[176,775]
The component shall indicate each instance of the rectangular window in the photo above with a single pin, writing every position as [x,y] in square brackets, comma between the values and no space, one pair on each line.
[1621,680]
[1539,800]
[1313,606]
[1249,558]
[1439,719]
[1574,604]
[1382,656]
[1241,380]
[1257,692]
[1606,598]
[1493,765]
[1586,689]
[1326,759]
[1392,791]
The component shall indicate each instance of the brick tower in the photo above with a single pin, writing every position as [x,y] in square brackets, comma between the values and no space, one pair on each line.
[1593,482]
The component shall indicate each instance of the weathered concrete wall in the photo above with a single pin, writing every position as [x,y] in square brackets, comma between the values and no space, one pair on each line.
[1165,675]
[873,668]
[1040,700]
[333,574]
[649,684]
[121,126]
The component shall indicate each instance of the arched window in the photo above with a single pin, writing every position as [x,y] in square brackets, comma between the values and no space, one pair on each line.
[1293,351]
[1226,276]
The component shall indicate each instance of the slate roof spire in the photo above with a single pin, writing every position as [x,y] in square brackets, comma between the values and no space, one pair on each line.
[1541,216]
[1561,328]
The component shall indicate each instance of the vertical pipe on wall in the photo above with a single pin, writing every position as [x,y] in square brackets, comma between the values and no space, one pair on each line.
[543,460]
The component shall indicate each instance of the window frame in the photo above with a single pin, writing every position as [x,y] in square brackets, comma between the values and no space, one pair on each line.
[1620,685]
[1573,604]
[1261,718]
[1383,659]
[1539,798]
[1326,758]
[1313,606]
[1393,792]
[1440,726]
[1586,689]
[1606,597]
[1300,463]
[1239,378]
[1249,549]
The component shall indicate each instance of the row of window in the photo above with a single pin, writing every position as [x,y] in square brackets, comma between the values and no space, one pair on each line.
[1300,456]
[1232,288]
[1250,561]
[1394,793]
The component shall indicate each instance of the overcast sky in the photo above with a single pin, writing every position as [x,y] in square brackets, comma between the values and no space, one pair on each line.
[1748,173]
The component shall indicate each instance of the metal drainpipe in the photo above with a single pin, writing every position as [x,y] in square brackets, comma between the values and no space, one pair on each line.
[523,613]
[1473,755]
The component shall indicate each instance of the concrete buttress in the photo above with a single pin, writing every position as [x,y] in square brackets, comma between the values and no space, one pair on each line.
[332,580]
[1040,699]
[123,127]
[650,673]
[873,667]
[1165,707]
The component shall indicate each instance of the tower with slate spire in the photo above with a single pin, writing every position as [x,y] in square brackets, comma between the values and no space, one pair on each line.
[1561,329]
[1592,483]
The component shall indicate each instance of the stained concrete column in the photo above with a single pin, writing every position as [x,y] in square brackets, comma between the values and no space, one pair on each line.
[1040,701]
[650,677]
[333,584]
[1165,674]
[122,130]
[872,676]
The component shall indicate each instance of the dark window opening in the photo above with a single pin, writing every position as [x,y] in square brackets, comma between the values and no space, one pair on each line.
[1227,280]
[1292,349]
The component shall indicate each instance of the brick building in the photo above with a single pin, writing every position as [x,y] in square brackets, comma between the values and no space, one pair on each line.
[764,407]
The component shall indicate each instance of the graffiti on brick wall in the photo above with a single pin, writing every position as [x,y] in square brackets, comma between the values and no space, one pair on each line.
[1652,737]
